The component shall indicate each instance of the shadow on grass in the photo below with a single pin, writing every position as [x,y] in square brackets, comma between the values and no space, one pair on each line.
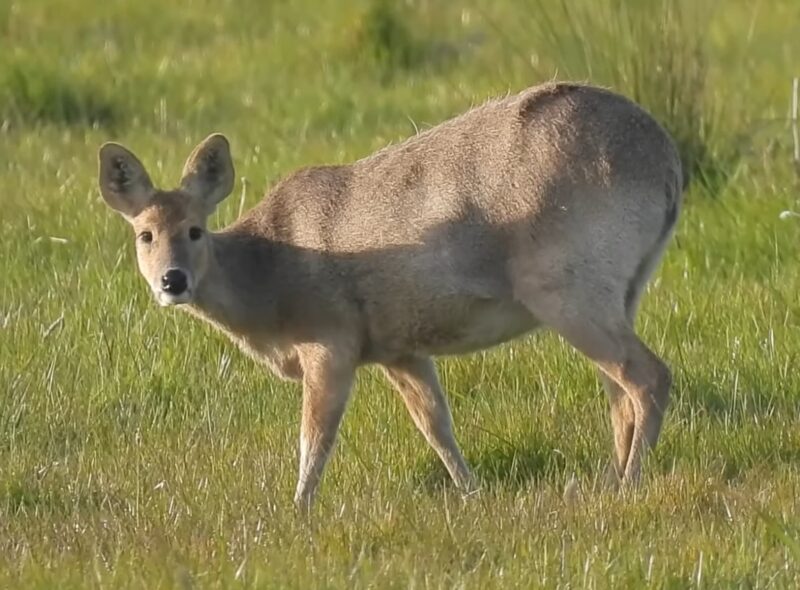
[30,495]
[752,400]
[729,433]
[502,467]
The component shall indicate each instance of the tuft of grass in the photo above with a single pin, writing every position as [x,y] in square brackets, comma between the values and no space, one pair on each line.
[387,37]
[33,91]
[397,38]
[656,53]
[786,534]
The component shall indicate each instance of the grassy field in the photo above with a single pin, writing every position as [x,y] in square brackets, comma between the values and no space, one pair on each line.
[140,449]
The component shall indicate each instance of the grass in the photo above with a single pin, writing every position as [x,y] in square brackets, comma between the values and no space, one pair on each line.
[139,449]
[33,92]
[657,53]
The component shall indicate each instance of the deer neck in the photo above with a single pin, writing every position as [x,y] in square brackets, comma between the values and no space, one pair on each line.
[233,295]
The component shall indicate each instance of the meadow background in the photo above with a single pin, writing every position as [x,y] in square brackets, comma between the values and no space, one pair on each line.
[139,449]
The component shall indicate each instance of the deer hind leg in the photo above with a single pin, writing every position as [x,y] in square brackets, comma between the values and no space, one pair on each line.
[623,422]
[638,381]
[621,409]
[621,404]
[415,379]
[647,381]
[627,363]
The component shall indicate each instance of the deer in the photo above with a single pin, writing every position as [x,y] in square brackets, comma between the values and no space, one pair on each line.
[546,209]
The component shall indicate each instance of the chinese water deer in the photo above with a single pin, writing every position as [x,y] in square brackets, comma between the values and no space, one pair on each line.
[550,208]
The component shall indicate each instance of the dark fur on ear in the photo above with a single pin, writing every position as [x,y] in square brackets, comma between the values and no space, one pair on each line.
[208,173]
[124,183]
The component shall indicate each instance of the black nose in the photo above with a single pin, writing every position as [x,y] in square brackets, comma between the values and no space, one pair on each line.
[174,282]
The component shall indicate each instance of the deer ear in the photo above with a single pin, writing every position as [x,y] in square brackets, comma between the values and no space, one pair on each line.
[123,181]
[208,173]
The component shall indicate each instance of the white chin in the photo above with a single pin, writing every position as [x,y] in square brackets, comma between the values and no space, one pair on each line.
[167,299]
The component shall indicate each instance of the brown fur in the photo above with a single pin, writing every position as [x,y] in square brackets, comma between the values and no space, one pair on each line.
[548,208]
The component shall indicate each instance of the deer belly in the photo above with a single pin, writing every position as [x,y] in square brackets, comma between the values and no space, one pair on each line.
[471,327]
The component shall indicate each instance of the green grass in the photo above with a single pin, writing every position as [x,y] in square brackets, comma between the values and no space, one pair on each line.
[140,449]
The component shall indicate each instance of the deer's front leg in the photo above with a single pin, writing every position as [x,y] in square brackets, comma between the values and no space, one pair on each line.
[327,379]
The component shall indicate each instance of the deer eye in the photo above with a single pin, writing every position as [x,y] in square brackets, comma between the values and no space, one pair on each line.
[146,237]
[195,233]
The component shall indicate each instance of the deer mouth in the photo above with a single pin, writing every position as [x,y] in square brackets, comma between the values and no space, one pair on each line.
[168,299]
